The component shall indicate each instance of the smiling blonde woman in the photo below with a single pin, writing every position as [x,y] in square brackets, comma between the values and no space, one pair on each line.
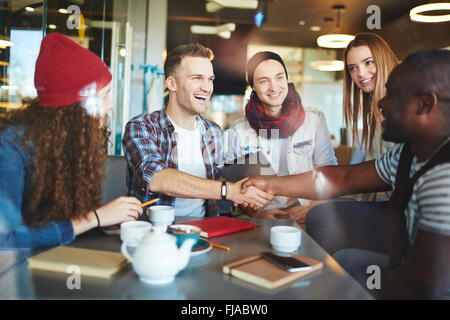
[368,62]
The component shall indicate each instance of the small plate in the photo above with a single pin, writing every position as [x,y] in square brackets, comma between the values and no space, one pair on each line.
[201,247]
[113,232]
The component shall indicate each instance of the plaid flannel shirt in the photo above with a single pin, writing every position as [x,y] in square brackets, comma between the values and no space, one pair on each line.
[150,145]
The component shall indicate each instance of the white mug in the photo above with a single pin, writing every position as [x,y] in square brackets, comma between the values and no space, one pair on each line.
[161,215]
[285,238]
[131,232]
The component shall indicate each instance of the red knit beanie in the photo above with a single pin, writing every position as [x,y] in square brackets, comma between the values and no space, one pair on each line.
[64,68]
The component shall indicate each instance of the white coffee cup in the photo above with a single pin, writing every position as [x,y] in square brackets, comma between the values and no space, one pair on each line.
[161,215]
[285,238]
[131,232]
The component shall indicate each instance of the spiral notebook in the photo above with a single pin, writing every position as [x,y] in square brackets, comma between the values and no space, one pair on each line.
[220,226]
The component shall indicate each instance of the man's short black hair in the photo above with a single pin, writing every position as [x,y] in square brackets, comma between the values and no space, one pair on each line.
[431,70]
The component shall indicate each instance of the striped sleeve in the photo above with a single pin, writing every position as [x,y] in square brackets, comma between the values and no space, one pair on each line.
[387,164]
[433,199]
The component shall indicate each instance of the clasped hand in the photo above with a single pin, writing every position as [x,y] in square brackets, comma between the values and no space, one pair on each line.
[252,197]
[252,193]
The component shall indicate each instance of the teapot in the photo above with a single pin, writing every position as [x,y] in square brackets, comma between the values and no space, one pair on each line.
[157,259]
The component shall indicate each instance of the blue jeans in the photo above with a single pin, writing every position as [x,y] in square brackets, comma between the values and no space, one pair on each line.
[352,232]
[357,262]
[344,224]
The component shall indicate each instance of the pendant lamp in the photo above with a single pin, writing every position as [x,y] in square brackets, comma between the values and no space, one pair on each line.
[335,40]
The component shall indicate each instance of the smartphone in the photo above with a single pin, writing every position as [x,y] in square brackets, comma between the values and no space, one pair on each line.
[286,261]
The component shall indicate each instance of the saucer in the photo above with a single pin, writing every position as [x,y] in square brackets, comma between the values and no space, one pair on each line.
[201,247]
[113,232]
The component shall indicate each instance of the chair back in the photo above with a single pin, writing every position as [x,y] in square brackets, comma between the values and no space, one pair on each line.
[114,182]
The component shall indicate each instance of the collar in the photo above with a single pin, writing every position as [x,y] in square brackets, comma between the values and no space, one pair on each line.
[166,123]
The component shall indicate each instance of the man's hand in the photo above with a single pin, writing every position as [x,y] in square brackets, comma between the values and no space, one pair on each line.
[273,214]
[253,197]
[298,214]
[260,183]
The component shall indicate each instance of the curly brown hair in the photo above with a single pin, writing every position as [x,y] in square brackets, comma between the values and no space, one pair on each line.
[69,150]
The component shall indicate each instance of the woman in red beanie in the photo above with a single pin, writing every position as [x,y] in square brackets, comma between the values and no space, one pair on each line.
[52,152]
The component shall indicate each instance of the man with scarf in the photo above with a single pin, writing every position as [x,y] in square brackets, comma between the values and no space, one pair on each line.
[294,139]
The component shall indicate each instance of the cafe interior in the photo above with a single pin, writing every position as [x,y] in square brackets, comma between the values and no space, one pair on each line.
[133,37]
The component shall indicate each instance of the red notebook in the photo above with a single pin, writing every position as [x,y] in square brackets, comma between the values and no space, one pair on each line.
[220,226]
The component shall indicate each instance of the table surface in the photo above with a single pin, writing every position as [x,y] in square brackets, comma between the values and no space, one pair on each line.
[202,279]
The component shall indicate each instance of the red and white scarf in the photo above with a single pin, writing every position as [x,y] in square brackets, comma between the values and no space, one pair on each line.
[292,114]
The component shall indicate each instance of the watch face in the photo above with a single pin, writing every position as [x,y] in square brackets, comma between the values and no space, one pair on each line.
[224,190]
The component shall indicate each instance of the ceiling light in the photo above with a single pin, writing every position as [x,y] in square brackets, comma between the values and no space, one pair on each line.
[4,64]
[29,9]
[63,11]
[335,40]
[315,28]
[301,22]
[224,34]
[6,87]
[52,26]
[216,5]
[223,31]
[416,14]
[327,65]
[5,42]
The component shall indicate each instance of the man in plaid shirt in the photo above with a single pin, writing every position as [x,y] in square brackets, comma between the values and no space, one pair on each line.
[173,153]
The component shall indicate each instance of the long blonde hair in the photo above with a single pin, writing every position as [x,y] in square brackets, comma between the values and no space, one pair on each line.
[357,101]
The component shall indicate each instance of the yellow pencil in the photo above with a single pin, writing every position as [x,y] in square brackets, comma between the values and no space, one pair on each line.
[148,202]
[220,246]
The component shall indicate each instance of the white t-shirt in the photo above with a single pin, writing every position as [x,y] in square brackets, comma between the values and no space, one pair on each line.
[429,205]
[190,160]
[279,201]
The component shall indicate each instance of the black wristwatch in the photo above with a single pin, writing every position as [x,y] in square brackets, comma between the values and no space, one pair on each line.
[223,190]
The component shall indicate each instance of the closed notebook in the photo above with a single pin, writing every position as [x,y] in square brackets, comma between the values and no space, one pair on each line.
[95,263]
[261,272]
[220,226]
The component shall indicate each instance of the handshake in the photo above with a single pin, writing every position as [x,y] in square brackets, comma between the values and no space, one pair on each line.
[253,193]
